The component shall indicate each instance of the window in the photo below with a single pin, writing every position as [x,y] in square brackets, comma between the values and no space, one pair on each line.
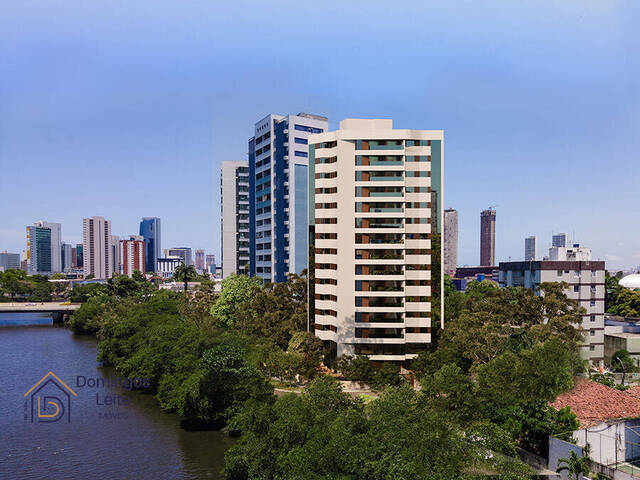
[326,221]
[321,160]
[327,190]
[418,189]
[592,303]
[418,143]
[592,318]
[418,173]
[592,347]
[418,158]
[326,144]
[559,273]
[304,128]
[301,141]
[592,333]
[326,175]
[576,288]
[302,154]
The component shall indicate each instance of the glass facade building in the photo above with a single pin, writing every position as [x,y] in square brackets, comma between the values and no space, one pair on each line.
[150,231]
[278,192]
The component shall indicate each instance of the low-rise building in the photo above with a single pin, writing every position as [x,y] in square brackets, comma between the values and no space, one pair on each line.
[167,266]
[585,284]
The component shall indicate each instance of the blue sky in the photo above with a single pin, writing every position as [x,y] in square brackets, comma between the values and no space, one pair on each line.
[125,109]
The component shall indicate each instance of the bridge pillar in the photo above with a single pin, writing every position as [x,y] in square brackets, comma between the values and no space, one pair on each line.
[58,317]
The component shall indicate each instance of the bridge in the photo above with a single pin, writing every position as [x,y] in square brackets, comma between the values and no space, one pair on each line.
[57,309]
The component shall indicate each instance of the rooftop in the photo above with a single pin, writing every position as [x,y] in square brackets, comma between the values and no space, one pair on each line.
[594,403]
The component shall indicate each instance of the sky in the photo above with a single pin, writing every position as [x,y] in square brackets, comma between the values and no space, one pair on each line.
[126,109]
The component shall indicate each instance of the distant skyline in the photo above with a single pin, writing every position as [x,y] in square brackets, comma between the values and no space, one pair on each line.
[125,110]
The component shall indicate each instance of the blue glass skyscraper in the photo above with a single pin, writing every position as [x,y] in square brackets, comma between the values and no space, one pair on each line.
[150,231]
[278,191]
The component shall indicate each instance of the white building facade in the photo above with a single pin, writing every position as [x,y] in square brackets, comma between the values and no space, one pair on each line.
[234,215]
[374,205]
[97,248]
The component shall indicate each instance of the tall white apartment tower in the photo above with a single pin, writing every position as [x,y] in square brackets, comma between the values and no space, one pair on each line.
[97,247]
[374,212]
[530,248]
[56,244]
[278,188]
[234,203]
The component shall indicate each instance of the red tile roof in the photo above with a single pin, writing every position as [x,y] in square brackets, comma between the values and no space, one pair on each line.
[595,403]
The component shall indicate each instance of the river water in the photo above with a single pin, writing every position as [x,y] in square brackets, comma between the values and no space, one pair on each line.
[130,440]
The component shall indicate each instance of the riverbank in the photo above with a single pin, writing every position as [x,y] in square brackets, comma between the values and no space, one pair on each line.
[138,440]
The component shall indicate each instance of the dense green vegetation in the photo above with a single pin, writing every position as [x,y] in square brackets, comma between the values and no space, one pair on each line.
[16,285]
[619,300]
[215,358]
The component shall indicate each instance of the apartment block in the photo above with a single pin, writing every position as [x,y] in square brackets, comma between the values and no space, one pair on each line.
[585,280]
[278,189]
[132,255]
[487,237]
[530,248]
[450,242]
[234,204]
[200,260]
[374,207]
[97,248]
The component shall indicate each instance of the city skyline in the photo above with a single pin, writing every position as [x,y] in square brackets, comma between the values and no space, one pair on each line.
[535,100]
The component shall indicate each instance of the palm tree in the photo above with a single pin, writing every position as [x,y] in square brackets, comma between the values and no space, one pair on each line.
[575,465]
[185,273]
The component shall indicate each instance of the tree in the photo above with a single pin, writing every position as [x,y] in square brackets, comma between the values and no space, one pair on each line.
[627,304]
[185,274]
[357,369]
[309,347]
[276,311]
[237,291]
[576,465]
[15,283]
[612,290]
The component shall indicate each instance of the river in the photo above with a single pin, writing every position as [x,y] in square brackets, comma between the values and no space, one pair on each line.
[132,440]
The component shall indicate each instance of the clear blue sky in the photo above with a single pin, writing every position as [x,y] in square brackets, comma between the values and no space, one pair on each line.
[126,108]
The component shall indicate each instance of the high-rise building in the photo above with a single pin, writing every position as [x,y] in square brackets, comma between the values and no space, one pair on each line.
[150,230]
[450,242]
[132,255]
[371,224]
[530,248]
[278,189]
[585,284]
[56,244]
[9,261]
[79,256]
[234,204]
[200,260]
[487,237]
[39,250]
[115,253]
[184,253]
[210,263]
[97,249]
[560,240]
[66,255]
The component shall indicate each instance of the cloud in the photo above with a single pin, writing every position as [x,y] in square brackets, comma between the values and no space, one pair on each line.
[636,256]
[612,258]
